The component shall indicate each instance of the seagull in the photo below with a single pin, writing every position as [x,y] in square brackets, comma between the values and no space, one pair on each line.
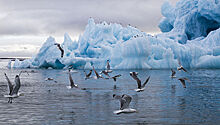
[108,67]
[124,101]
[140,87]
[71,82]
[114,77]
[50,79]
[13,89]
[62,51]
[182,80]
[88,75]
[96,73]
[106,73]
[173,74]
[181,67]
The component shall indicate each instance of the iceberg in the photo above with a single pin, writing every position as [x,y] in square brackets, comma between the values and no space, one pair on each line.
[190,33]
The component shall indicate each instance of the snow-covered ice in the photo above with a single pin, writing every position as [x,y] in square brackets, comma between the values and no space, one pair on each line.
[191,34]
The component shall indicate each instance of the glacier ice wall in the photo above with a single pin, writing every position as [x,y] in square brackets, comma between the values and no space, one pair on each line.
[191,34]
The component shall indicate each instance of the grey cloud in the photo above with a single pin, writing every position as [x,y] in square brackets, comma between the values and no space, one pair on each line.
[58,16]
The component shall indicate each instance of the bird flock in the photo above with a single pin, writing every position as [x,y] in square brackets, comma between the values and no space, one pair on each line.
[124,99]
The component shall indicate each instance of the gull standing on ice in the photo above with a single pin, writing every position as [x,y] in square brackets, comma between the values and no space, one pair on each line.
[182,80]
[13,89]
[140,87]
[124,101]
[62,51]
[181,67]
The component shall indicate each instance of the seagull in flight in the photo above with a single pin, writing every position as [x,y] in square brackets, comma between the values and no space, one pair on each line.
[173,73]
[72,84]
[61,50]
[96,73]
[13,89]
[182,80]
[140,87]
[125,102]
[88,75]
[181,67]
[109,77]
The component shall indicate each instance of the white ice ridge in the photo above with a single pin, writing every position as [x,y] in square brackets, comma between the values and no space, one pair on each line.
[191,34]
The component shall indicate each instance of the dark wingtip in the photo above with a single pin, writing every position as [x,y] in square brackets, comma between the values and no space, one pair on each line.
[113,95]
[114,79]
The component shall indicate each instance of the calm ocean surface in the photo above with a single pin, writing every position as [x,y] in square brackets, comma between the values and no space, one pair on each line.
[164,100]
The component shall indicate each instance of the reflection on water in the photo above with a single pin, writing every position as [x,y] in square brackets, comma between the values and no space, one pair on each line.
[164,100]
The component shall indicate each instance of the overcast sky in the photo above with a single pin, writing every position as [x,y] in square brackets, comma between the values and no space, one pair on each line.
[25,24]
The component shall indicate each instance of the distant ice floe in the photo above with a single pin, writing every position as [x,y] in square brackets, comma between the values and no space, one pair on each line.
[191,34]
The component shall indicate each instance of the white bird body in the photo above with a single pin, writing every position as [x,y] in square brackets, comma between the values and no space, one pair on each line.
[125,102]
[127,110]
[108,71]
[140,90]
[14,95]
[173,76]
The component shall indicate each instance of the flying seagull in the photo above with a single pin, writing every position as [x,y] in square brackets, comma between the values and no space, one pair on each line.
[59,47]
[140,87]
[181,67]
[96,73]
[88,75]
[72,84]
[124,101]
[173,74]
[114,77]
[106,73]
[13,89]
[182,80]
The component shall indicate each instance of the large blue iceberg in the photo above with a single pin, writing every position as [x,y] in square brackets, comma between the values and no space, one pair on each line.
[191,34]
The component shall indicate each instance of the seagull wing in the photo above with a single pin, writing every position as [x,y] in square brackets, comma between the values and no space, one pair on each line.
[10,86]
[134,76]
[71,80]
[125,101]
[183,82]
[97,75]
[62,51]
[104,72]
[117,76]
[89,74]
[145,82]
[17,85]
[114,77]
[183,69]
[173,73]
[186,79]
